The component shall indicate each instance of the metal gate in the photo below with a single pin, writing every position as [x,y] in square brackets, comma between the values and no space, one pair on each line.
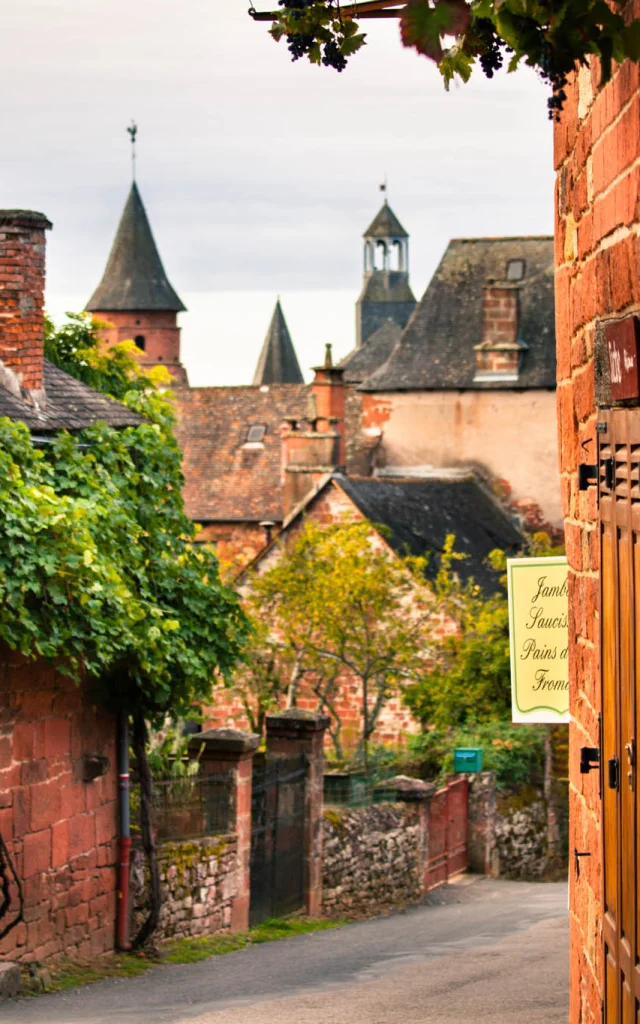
[448,848]
[277,837]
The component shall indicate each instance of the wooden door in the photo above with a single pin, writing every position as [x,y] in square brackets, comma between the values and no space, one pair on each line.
[619,504]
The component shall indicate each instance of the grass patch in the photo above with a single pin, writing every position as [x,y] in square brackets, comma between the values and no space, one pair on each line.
[65,975]
[189,951]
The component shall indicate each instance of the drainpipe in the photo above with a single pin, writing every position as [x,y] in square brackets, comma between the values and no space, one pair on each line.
[124,834]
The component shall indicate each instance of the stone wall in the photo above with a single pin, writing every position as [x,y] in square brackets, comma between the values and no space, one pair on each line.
[597,146]
[520,844]
[372,856]
[508,834]
[60,830]
[199,882]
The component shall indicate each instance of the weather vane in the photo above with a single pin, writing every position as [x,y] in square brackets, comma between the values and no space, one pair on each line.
[133,131]
[383,186]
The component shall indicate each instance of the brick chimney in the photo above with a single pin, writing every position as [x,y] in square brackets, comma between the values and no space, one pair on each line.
[22,271]
[314,447]
[499,354]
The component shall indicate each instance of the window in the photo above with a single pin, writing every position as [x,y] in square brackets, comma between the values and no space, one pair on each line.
[515,270]
[256,433]
[140,341]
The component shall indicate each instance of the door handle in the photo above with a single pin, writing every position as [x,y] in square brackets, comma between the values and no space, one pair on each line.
[630,748]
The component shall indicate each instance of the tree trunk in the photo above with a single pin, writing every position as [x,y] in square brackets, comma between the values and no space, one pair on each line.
[148,841]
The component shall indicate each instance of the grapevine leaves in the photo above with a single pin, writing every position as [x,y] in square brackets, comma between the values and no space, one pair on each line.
[423,26]
[552,37]
[318,31]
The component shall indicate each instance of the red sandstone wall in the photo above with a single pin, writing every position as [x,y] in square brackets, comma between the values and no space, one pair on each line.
[236,544]
[597,146]
[161,334]
[60,831]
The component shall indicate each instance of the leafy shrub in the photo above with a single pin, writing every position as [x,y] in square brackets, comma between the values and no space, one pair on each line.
[514,752]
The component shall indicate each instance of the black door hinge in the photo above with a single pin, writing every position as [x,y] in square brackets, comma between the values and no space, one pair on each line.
[589,759]
[614,773]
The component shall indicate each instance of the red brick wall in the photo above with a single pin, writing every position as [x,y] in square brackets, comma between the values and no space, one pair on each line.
[597,148]
[22,269]
[236,544]
[60,830]
[160,331]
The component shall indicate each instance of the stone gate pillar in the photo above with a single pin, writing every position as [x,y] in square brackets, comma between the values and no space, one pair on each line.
[291,733]
[231,750]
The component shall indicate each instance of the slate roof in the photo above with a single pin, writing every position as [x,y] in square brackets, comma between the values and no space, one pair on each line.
[418,515]
[375,351]
[278,362]
[70,405]
[134,278]
[385,224]
[437,348]
[227,478]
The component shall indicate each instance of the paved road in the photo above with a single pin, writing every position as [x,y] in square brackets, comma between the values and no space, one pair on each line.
[477,951]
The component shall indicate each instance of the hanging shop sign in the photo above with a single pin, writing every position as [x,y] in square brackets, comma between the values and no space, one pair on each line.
[539,639]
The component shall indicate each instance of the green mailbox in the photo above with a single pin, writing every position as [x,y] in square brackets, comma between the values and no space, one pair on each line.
[467,759]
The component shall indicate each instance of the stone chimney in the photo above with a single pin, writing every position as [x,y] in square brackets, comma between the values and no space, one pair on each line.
[499,354]
[315,446]
[22,271]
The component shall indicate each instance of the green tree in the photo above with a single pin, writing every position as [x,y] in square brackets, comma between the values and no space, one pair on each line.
[98,569]
[552,37]
[468,678]
[338,601]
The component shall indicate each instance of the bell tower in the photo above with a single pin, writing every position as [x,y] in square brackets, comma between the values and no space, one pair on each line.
[386,293]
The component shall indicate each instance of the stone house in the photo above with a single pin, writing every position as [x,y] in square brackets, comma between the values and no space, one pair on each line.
[406,516]
[58,786]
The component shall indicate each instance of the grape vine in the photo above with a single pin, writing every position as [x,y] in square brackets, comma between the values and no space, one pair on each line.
[552,36]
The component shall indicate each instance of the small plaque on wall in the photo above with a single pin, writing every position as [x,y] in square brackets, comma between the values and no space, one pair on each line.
[623,342]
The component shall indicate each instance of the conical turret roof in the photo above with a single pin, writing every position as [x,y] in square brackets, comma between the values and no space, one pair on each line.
[385,225]
[134,278]
[278,362]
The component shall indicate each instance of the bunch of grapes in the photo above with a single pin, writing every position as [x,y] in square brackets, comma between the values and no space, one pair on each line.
[332,58]
[299,45]
[490,55]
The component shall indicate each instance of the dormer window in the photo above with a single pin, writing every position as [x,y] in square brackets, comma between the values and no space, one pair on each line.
[515,270]
[256,433]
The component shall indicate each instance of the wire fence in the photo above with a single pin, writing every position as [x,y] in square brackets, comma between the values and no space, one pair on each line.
[190,808]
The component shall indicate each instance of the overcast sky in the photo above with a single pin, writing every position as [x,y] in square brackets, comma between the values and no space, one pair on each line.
[258,175]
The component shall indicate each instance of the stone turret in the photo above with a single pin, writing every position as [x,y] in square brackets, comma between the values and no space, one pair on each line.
[135,296]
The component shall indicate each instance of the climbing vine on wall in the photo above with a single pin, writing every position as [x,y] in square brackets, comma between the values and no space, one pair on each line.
[99,572]
[552,36]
